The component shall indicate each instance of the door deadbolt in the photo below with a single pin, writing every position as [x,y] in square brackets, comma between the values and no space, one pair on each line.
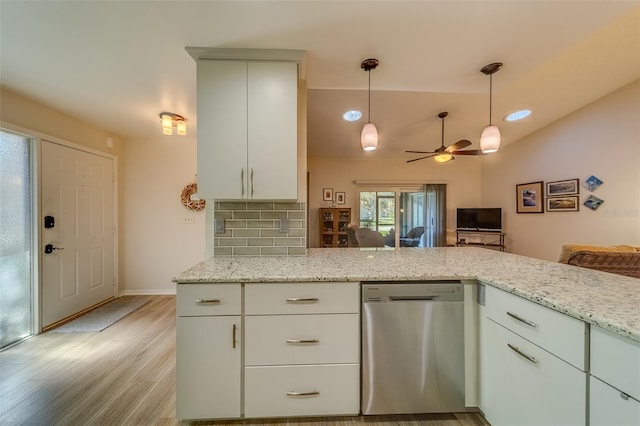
[49,248]
[49,222]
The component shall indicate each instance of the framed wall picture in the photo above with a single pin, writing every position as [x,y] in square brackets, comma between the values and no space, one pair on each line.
[530,197]
[563,187]
[340,198]
[327,194]
[570,203]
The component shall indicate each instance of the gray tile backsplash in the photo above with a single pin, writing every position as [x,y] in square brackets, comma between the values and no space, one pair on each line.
[253,229]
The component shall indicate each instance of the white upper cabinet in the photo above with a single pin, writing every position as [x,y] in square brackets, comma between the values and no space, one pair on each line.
[247,129]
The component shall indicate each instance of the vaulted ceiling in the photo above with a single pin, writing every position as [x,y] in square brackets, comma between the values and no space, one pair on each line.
[118,64]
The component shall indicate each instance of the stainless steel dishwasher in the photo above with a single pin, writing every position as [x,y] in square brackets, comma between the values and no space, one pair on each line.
[412,347]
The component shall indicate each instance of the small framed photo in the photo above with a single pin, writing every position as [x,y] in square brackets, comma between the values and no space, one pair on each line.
[593,202]
[563,204]
[530,197]
[563,187]
[327,194]
[592,183]
[340,198]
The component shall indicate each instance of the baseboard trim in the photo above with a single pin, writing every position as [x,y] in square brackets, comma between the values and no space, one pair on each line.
[149,292]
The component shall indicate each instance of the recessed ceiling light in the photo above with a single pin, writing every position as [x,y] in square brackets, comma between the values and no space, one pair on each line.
[518,115]
[352,115]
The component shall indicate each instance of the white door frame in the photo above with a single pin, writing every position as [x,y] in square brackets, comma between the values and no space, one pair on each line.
[38,247]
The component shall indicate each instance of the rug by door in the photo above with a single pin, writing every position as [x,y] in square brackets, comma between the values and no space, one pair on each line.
[102,317]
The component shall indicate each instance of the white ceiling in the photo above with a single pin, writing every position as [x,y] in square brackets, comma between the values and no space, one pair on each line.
[118,64]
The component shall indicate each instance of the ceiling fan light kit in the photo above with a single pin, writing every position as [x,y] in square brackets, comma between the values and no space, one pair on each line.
[369,136]
[490,138]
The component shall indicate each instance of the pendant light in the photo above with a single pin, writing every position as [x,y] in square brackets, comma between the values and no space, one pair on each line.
[171,120]
[369,136]
[490,138]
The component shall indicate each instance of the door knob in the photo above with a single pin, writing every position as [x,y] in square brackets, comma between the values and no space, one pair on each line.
[49,248]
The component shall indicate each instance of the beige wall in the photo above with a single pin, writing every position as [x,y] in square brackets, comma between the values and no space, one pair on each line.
[157,243]
[601,139]
[462,177]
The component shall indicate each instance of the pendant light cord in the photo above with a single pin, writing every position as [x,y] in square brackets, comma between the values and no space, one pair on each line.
[490,96]
[369,72]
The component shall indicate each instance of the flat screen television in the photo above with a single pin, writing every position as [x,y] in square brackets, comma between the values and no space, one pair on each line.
[479,219]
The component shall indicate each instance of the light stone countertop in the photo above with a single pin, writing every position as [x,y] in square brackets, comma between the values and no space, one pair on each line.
[607,300]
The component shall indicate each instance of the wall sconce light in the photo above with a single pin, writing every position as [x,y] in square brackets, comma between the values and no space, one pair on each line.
[171,120]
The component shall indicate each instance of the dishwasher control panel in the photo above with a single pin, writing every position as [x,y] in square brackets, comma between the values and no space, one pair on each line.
[437,291]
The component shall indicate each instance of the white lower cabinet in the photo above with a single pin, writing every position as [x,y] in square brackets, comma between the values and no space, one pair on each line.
[610,407]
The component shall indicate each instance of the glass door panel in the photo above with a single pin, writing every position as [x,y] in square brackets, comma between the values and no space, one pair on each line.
[15,239]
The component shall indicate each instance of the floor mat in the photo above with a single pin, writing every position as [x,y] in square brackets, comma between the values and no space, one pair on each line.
[102,317]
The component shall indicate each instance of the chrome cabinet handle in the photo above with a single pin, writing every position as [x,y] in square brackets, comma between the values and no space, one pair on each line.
[242,180]
[302,299]
[624,396]
[301,341]
[233,343]
[295,393]
[522,320]
[207,301]
[251,183]
[522,354]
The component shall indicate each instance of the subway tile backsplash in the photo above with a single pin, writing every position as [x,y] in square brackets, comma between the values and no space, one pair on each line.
[253,229]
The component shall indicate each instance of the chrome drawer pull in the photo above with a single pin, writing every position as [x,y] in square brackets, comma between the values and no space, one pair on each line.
[522,354]
[302,299]
[522,320]
[294,393]
[207,301]
[302,341]
[233,338]
[624,396]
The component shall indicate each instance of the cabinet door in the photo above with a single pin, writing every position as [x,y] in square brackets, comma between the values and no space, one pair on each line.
[518,391]
[273,130]
[222,129]
[610,407]
[208,367]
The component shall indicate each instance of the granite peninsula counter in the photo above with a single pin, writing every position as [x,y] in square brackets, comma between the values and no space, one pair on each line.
[607,300]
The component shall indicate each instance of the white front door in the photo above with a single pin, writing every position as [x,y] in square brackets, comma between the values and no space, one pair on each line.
[78,194]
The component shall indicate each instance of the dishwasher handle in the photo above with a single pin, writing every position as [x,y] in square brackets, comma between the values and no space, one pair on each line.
[412,298]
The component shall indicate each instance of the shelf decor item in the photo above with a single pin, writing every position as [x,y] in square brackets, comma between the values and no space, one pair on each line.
[592,183]
[327,194]
[530,197]
[593,202]
[563,187]
[340,199]
[569,203]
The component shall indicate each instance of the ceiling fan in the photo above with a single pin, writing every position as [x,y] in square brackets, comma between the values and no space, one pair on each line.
[446,153]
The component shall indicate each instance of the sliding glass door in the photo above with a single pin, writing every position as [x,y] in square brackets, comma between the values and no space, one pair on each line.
[16,255]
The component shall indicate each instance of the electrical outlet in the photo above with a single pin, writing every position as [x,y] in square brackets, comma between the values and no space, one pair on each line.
[219,226]
[189,220]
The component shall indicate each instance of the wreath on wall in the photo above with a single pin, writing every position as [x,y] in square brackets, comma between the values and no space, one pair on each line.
[185,198]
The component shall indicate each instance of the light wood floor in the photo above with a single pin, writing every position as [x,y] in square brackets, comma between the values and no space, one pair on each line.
[125,375]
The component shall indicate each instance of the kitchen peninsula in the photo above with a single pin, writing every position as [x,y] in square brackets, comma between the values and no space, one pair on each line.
[589,299]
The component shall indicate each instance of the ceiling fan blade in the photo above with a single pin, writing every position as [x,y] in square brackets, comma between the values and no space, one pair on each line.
[421,158]
[420,152]
[462,143]
[468,152]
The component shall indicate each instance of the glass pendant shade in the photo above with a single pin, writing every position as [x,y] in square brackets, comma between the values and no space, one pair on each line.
[369,137]
[167,124]
[490,139]
[182,128]
[443,157]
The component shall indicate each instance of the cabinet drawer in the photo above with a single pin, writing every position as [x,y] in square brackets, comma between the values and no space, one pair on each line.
[543,390]
[616,360]
[194,300]
[559,334]
[609,407]
[302,298]
[330,389]
[302,339]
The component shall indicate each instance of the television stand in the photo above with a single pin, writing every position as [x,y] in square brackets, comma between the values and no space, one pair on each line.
[488,239]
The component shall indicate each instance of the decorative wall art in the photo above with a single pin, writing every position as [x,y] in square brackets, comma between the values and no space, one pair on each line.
[188,198]
[327,194]
[592,183]
[563,187]
[340,198]
[563,204]
[593,202]
[530,197]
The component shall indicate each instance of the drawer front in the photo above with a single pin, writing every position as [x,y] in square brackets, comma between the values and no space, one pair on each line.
[523,378]
[193,300]
[559,334]
[321,390]
[302,298]
[616,360]
[609,407]
[302,339]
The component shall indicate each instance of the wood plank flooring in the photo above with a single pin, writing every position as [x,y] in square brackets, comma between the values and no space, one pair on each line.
[125,375]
